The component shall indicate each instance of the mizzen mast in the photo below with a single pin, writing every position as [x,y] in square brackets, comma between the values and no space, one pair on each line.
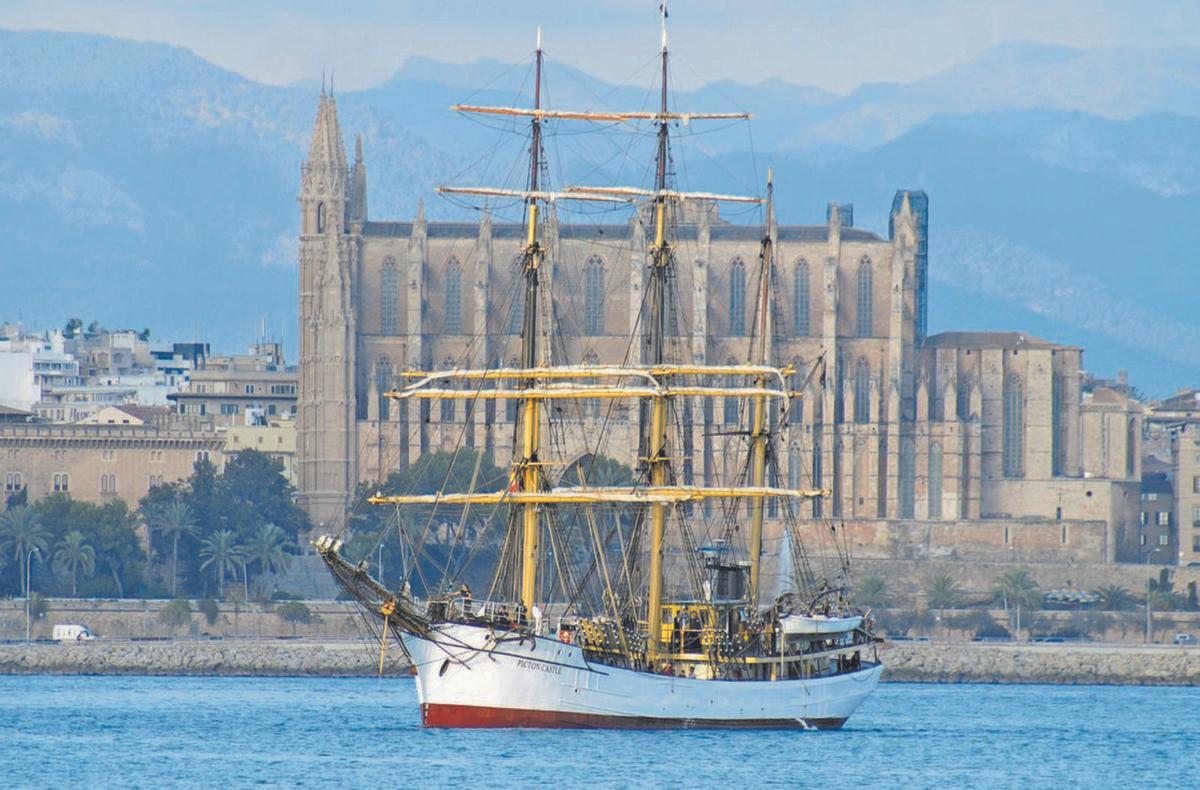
[759,435]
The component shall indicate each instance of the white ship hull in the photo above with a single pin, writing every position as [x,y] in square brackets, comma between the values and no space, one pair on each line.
[466,679]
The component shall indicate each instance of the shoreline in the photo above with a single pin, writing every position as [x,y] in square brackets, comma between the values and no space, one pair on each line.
[948,662]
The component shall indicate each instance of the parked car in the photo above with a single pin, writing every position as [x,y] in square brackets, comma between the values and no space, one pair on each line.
[71,632]
[1185,639]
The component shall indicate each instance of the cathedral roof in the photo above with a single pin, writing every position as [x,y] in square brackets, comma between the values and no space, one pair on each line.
[982,340]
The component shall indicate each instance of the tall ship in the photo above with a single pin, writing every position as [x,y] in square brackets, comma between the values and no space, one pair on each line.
[639,601]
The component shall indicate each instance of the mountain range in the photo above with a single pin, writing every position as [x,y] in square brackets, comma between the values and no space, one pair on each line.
[144,186]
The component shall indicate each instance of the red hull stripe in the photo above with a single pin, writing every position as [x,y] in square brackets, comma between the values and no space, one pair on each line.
[439,715]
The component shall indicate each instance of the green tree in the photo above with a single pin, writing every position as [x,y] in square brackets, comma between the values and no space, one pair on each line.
[21,531]
[73,327]
[1114,598]
[267,550]
[942,593]
[221,553]
[438,471]
[118,547]
[111,531]
[295,613]
[208,607]
[871,591]
[252,491]
[177,613]
[74,553]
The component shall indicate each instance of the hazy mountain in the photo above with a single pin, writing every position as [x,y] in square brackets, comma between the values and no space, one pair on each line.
[142,185]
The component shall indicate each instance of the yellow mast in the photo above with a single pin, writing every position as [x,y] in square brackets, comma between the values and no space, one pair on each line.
[529,465]
[758,427]
[657,455]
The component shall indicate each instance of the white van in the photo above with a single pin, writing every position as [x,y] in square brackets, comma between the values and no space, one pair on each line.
[68,632]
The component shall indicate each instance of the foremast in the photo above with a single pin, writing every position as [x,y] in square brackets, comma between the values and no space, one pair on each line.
[528,467]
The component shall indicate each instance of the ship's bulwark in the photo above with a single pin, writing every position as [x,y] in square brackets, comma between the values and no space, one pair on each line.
[468,678]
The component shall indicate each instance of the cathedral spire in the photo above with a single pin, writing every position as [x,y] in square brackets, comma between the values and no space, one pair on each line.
[326,147]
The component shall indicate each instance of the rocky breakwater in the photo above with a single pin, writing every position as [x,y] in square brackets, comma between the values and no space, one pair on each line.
[1149,665]
[296,658]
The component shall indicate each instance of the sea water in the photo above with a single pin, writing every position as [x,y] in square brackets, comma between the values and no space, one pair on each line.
[366,733]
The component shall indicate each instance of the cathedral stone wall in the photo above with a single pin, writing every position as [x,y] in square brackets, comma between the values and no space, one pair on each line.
[957,428]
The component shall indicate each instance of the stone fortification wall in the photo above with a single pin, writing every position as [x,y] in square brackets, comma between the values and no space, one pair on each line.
[907,579]
[992,540]
[292,658]
[1023,663]
[133,618]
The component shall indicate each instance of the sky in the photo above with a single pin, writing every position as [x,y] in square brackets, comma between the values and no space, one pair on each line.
[834,45]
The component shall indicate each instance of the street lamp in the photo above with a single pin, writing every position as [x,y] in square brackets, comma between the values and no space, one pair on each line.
[28,592]
[1149,554]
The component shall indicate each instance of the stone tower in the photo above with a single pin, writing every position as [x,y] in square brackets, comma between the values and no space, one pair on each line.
[332,210]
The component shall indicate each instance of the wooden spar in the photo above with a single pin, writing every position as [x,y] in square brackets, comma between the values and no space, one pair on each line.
[759,427]
[659,194]
[610,117]
[525,194]
[598,371]
[584,391]
[660,495]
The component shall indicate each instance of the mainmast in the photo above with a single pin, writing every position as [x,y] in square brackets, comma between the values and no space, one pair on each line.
[657,455]
[758,422]
[528,467]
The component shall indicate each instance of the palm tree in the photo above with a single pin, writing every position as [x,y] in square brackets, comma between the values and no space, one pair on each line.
[1115,598]
[1019,590]
[23,533]
[871,591]
[267,549]
[943,593]
[73,552]
[174,521]
[222,553]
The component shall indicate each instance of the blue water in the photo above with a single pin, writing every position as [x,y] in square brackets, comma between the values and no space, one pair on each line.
[232,732]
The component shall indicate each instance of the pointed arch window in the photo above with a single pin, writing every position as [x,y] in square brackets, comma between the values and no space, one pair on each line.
[591,407]
[516,319]
[731,411]
[1057,428]
[737,298]
[801,299]
[862,392]
[453,297]
[512,404]
[866,299]
[1130,447]
[908,462]
[935,480]
[449,405]
[1014,427]
[383,383]
[388,297]
[796,409]
[593,296]
[793,469]
[320,218]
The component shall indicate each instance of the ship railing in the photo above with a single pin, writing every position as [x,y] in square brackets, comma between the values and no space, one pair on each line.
[468,609]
